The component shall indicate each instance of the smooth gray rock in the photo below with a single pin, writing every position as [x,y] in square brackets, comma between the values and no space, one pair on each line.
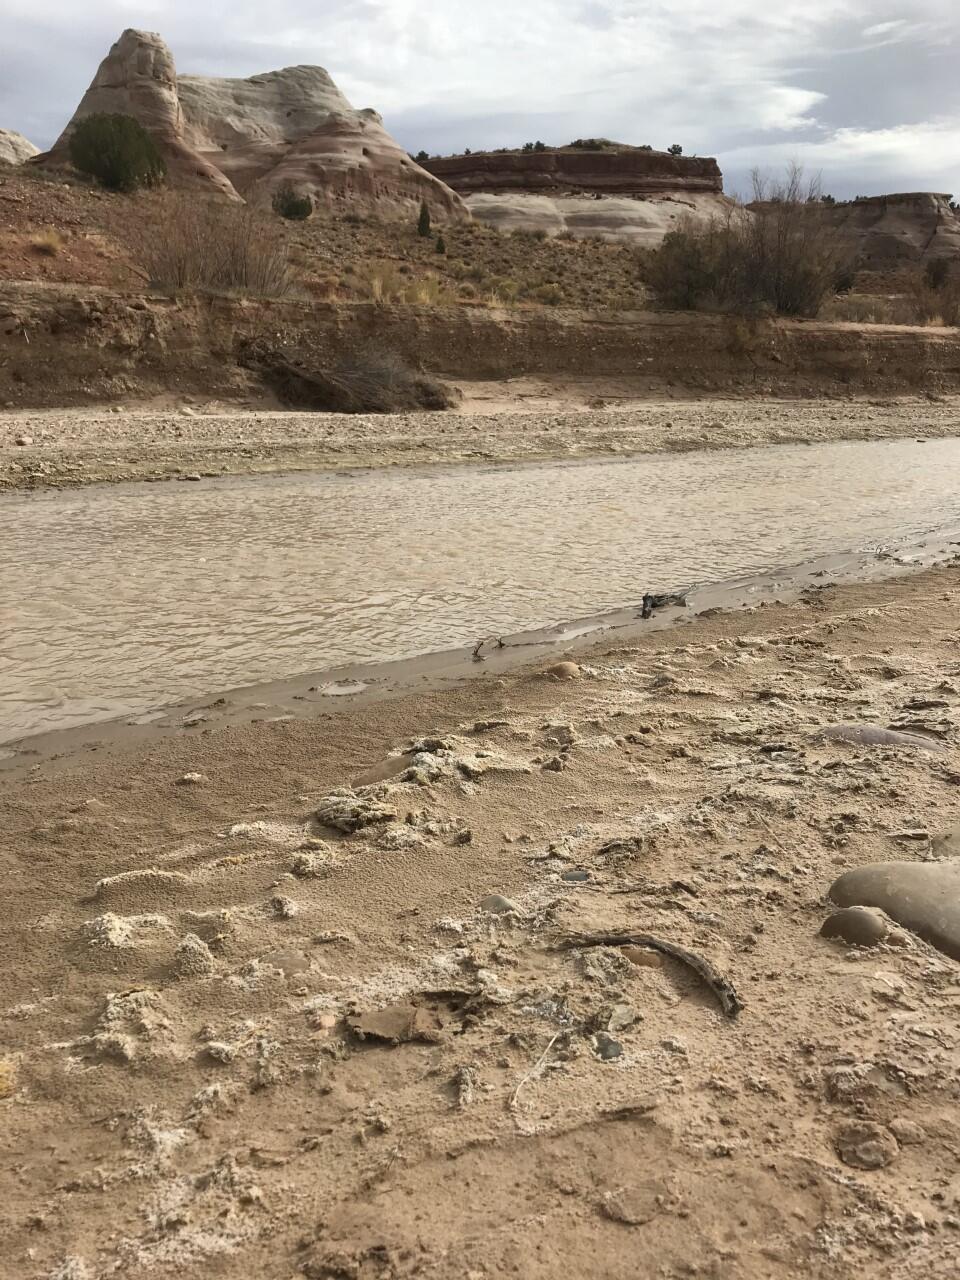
[924,897]
[874,735]
[859,926]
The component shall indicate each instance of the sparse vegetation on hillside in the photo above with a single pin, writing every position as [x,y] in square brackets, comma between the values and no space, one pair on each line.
[117,151]
[371,380]
[779,257]
[189,243]
[423,224]
[290,204]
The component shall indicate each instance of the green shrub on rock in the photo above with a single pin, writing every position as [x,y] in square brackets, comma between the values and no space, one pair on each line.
[117,151]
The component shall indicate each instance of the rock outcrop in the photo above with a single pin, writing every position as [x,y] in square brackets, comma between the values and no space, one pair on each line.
[244,138]
[15,148]
[612,192]
[890,231]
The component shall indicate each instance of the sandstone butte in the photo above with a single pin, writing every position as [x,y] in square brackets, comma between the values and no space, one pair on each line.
[611,191]
[245,138]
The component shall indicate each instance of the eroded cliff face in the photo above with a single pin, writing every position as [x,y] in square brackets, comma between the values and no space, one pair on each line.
[614,193]
[244,138]
[899,229]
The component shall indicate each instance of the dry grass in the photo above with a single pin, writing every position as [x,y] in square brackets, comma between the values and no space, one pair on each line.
[187,242]
[48,243]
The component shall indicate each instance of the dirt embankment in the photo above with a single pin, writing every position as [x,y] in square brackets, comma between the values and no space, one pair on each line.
[74,447]
[254,1024]
[73,346]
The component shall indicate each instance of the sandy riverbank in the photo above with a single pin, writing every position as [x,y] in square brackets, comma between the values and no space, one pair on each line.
[71,447]
[183,1091]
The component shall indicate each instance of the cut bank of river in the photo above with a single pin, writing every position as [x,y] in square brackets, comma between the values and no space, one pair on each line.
[118,599]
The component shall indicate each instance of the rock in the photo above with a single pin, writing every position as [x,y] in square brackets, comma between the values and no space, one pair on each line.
[288,962]
[23,441]
[643,957]
[564,671]
[907,1132]
[638,1204]
[872,735]
[558,190]
[348,810]
[606,1048]
[494,905]
[247,137]
[946,844]
[923,897]
[191,780]
[859,926]
[865,1145]
[398,1024]
[284,908]
[575,877]
[621,1017]
[15,148]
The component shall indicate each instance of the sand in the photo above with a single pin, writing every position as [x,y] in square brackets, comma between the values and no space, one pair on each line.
[527,419]
[290,1049]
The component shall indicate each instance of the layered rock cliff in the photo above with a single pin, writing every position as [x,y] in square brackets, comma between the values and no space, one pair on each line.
[244,138]
[612,192]
[15,148]
[888,231]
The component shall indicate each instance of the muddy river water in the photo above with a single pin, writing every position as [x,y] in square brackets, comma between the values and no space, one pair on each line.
[117,599]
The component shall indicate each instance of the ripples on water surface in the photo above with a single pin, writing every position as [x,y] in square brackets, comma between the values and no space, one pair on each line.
[119,599]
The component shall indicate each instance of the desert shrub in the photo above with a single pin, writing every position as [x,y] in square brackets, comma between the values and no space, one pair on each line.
[779,256]
[551,295]
[47,243]
[936,273]
[192,243]
[675,149]
[288,203]
[369,380]
[117,151]
[441,246]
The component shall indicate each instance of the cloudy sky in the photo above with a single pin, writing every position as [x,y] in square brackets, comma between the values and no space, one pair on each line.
[865,91]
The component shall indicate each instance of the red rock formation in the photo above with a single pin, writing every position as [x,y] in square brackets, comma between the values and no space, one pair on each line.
[246,137]
[572,171]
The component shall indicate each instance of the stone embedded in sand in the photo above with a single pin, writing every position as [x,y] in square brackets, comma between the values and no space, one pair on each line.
[113,931]
[924,897]
[859,926]
[872,735]
[946,844]
[638,1204]
[398,1024]
[564,671]
[288,962]
[495,905]
[190,780]
[350,810]
[907,1132]
[865,1145]
[643,957]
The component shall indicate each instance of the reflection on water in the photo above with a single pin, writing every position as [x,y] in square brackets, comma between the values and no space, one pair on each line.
[117,599]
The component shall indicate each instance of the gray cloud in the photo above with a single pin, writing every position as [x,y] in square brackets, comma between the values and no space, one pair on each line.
[864,90]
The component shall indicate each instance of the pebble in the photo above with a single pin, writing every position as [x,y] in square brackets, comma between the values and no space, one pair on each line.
[643,957]
[606,1047]
[190,780]
[865,1145]
[575,877]
[924,897]
[23,441]
[858,926]
[907,1132]
[564,671]
[494,905]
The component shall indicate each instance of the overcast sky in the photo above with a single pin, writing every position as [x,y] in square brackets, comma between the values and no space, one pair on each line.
[866,91]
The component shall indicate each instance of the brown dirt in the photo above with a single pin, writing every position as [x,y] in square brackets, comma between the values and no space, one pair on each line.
[178,1107]
[68,447]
